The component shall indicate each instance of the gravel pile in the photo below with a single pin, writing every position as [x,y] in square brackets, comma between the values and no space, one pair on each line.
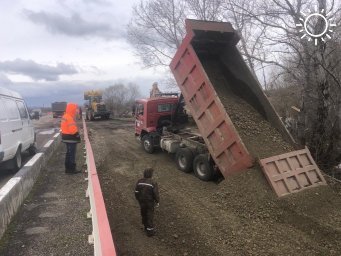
[259,136]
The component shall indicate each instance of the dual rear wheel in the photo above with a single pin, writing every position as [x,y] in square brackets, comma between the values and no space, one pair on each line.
[185,160]
[200,164]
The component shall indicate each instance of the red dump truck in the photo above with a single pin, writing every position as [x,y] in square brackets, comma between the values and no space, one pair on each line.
[235,123]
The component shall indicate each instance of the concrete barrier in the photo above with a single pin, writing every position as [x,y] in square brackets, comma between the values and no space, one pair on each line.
[14,192]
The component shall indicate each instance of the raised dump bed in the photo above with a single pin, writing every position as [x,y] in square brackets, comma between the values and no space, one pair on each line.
[234,117]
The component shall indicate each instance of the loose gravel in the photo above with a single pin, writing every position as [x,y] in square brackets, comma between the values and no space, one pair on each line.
[238,216]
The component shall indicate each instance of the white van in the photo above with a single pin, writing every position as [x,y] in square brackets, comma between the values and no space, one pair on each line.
[16,129]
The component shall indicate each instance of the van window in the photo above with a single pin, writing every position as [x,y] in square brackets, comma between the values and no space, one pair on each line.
[3,115]
[12,109]
[22,110]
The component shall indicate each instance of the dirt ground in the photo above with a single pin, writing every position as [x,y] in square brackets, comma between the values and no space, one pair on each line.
[238,216]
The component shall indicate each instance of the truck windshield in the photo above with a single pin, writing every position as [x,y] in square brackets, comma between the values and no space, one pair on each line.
[139,109]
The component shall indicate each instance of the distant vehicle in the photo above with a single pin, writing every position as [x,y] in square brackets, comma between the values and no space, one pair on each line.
[16,130]
[58,109]
[35,115]
[38,111]
[96,107]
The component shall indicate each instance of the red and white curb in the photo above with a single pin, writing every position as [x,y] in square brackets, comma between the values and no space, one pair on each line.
[101,236]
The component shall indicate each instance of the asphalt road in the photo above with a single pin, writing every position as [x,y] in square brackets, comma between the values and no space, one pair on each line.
[45,128]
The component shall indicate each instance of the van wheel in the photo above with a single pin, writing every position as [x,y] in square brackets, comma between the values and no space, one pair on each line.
[202,168]
[17,160]
[184,159]
[32,150]
[147,144]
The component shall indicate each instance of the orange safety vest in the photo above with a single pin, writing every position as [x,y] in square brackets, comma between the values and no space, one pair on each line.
[68,124]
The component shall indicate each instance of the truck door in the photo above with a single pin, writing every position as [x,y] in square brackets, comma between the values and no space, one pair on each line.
[140,121]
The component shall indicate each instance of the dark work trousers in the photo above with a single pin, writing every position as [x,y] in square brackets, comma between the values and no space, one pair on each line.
[147,214]
[70,157]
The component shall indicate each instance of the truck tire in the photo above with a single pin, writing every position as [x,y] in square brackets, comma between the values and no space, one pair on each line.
[202,168]
[184,159]
[147,144]
[86,116]
[91,117]
[17,161]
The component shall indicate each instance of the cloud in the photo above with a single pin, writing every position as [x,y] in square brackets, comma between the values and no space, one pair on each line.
[4,80]
[37,71]
[44,93]
[100,2]
[74,25]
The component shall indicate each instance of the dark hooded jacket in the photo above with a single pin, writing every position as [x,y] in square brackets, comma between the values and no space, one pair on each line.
[147,191]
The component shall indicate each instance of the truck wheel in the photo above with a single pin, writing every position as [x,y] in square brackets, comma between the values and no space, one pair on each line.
[91,117]
[86,116]
[17,160]
[147,144]
[184,159]
[202,168]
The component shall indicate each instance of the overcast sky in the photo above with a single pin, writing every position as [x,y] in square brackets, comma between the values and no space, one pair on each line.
[53,50]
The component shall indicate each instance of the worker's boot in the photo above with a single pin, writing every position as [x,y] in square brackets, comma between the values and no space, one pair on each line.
[150,232]
[73,170]
[68,168]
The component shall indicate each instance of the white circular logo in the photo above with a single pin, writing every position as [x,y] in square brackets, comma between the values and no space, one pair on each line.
[316,26]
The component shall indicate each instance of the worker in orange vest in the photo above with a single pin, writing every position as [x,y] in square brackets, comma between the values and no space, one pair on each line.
[70,137]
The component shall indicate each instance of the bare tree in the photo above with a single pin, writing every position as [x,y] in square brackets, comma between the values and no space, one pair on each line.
[156,30]
[120,98]
[314,68]
[250,32]
[205,9]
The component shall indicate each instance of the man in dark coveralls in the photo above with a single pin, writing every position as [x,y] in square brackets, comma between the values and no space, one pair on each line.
[147,194]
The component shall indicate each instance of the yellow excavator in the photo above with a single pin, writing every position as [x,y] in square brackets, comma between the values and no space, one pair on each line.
[96,107]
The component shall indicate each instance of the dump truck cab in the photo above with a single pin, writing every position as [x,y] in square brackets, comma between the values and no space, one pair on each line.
[152,115]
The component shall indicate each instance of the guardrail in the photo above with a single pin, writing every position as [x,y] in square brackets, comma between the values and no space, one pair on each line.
[101,234]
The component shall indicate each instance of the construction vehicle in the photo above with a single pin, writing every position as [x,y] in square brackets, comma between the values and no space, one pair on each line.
[95,107]
[58,109]
[236,124]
